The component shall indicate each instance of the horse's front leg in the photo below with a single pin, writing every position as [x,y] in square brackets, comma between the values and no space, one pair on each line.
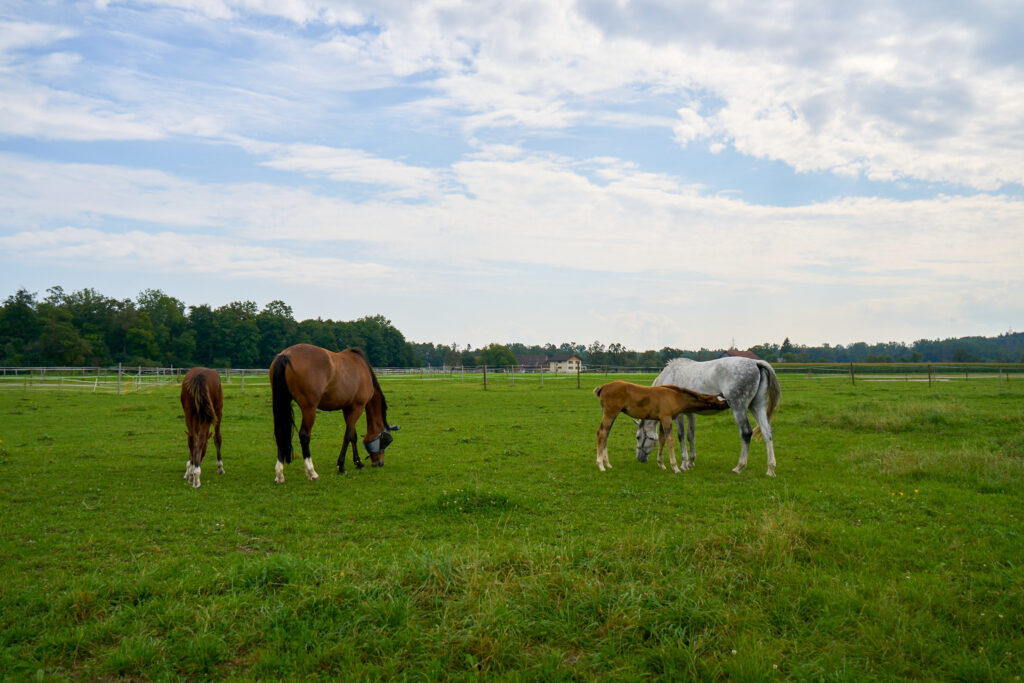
[661,445]
[308,416]
[665,434]
[602,441]
[688,455]
[350,437]
[680,423]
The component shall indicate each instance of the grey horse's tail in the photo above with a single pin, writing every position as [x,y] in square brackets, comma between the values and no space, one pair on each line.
[774,391]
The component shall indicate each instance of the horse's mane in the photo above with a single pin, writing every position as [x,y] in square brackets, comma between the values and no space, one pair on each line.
[679,361]
[376,385]
[679,389]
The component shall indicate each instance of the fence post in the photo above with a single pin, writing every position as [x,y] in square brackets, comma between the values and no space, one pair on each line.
[853,380]
[577,376]
[243,381]
[929,374]
[118,379]
[542,376]
[485,378]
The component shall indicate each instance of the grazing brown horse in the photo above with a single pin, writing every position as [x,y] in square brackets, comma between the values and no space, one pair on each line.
[320,379]
[202,399]
[662,403]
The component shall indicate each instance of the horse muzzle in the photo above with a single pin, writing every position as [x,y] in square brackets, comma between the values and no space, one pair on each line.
[376,447]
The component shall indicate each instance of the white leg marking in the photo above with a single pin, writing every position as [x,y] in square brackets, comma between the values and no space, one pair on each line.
[220,466]
[195,477]
[310,472]
[279,472]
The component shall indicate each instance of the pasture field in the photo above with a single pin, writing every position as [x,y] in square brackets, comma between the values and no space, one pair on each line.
[889,547]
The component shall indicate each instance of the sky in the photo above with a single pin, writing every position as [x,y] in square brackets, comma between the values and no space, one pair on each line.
[650,173]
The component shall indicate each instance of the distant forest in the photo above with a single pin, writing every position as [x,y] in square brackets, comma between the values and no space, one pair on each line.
[86,328]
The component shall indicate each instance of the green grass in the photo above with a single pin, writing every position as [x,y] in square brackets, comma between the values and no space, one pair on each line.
[889,547]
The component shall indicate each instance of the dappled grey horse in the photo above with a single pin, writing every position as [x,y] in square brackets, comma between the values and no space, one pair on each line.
[746,384]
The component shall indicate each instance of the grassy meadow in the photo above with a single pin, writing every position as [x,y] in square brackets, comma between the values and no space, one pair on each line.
[889,547]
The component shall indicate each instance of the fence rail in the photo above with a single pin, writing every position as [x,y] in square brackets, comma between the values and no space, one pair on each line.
[123,380]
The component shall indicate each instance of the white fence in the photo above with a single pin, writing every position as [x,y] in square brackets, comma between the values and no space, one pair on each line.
[119,380]
[123,380]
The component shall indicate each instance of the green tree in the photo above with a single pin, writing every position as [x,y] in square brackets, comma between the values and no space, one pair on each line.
[203,325]
[237,335]
[277,330]
[20,324]
[497,355]
[169,327]
[59,342]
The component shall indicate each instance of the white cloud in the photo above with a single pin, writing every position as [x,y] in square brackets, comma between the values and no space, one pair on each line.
[168,252]
[350,166]
[877,91]
[542,212]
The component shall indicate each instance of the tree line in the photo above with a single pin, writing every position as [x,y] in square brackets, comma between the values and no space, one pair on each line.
[86,328]
[1005,348]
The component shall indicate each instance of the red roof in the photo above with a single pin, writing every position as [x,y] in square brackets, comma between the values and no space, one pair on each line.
[741,354]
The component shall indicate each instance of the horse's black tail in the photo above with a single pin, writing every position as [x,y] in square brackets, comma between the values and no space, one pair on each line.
[284,419]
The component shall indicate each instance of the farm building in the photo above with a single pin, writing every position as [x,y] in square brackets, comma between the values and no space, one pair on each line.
[531,363]
[565,363]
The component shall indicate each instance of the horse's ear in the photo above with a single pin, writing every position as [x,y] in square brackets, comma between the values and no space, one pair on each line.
[636,422]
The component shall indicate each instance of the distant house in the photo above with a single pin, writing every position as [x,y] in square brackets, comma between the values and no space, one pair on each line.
[565,363]
[739,354]
[531,363]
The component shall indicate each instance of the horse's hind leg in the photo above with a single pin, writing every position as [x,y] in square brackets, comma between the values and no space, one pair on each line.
[602,441]
[761,415]
[308,416]
[188,463]
[745,433]
[216,442]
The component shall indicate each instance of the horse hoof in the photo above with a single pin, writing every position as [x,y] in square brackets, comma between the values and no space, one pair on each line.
[360,465]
